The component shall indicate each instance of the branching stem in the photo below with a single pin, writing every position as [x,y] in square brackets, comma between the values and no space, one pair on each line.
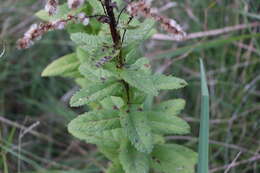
[117,41]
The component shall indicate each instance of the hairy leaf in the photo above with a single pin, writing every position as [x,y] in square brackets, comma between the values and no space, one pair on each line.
[110,151]
[143,32]
[140,80]
[173,158]
[63,66]
[142,64]
[82,55]
[137,129]
[163,123]
[88,42]
[107,138]
[93,93]
[171,107]
[112,102]
[168,82]
[94,74]
[115,168]
[97,7]
[132,160]
[83,82]
[94,122]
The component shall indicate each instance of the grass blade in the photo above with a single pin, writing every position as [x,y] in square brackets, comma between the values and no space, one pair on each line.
[204,124]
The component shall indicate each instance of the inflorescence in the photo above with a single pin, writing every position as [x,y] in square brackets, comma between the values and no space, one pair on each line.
[140,8]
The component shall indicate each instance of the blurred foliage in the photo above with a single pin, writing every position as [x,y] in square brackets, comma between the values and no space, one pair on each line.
[232,72]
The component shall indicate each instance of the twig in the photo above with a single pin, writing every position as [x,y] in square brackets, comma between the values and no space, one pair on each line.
[208,33]
[21,135]
[169,62]
[167,6]
[232,146]
[233,162]
[35,133]
[252,159]
[249,48]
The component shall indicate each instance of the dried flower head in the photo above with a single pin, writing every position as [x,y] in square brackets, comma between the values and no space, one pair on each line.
[52,6]
[141,8]
[59,24]
[83,18]
[36,31]
[73,4]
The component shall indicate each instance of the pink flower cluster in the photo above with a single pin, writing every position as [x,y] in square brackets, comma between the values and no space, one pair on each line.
[75,3]
[52,7]
[141,8]
[35,32]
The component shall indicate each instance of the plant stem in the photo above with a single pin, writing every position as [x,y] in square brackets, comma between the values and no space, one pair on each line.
[117,41]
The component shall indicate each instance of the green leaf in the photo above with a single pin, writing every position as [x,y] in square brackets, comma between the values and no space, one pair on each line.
[204,123]
[171,107]
[163,123]
[107,138]
[82,55]
[89,42]
[173,158]
[97,7]
[83,82]
[143,32]
[142,64]
[94,93]
[94,74]
[168,82]
[112,102]
[62,66]
[137,129]
[140,80]
[115,168]
[110,151]
[132,160]
[94,122]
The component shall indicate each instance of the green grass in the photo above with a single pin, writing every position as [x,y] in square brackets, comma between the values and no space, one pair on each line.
[232,73]
[203,163]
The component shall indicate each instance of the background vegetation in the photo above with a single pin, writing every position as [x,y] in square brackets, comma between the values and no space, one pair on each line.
[232,60]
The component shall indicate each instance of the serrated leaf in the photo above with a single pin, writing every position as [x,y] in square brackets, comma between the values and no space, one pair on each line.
[132,160]
[137,129]
[163,123]
[112,102]
[93,93]
[142,64]
[131,53]
[171,107]
[94,74]
[83,82]
[140,80]
[88,42]
[63,66]
[107,138]
[110,151]
[115,168]
[97,7]
[94,122]
[82,55]
[163,82]
[143,32]
[173,158]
